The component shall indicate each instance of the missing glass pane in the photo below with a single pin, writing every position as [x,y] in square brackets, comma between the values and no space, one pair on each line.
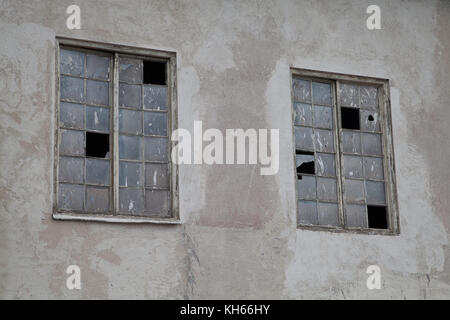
[154,72]
[377,217]
[305,163]
[350,118]
[97,144]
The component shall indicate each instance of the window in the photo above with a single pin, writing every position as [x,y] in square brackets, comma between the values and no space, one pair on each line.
[344,165]
[116,110]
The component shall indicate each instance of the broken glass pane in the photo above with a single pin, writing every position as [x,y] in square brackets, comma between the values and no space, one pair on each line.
[130,147]
[71,115]
[130,174]
[157,202]
[353,167]
[370,121]
[72,62]
[373,168]
[71,196]
[351,142]
[302,90]
[369,98]
[155,97]
[302,114]
[328,214]
[349,95]
[372,144]
[72,89]
[97,171]
[324,140]
[355,215]
[375,192]
[155,123]
[156,175]
[321,93]
[97,199]
[304,163]
[97,92]
[326,165]
[307,212]
[130,96]
[131,200]
[307,188]
[97,67]
[72,143]
[326,189]
[323,117]
[130,70]
[156,149]
[130,121]
[97,119]
[354,190]
[304,138]
[71,170]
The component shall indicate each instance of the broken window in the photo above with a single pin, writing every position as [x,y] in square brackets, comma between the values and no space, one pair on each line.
[342,152]
[113,142]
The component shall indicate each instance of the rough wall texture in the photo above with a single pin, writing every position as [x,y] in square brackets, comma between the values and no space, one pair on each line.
[238,238]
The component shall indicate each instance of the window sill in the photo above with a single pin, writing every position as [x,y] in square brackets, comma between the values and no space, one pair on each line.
[366,231]
[114,219]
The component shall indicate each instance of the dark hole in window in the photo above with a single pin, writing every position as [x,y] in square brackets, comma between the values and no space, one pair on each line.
[305,167]
[154,72]
[97,144]
[371,118]
[350,118]
[377,217]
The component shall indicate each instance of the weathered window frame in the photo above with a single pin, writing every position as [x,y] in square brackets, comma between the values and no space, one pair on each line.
[115,50]
[387,146]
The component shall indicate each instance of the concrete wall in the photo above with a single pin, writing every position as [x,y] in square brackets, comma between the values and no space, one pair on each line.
[239,237]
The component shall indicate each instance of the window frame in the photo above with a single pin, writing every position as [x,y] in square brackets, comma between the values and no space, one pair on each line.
[114,51]
[383,96]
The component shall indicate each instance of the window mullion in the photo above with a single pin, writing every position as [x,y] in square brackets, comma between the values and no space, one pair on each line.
[115,134]
[339,167]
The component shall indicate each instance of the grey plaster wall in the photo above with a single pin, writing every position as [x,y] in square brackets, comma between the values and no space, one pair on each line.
[239,237]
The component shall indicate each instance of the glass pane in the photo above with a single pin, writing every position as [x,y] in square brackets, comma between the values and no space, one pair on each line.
[351,142]
[97,67]
[375,192]
[157,175]
[301,90]
[72,89]
[324,141]
[326,189]
[72,62]
[130,96]
[131,200]
[156,149]
[72,143]
[354,190]
[155,123]
[307,211]
[97,171]
[157,202]
[130,147]
[373,168]
[130,70]
[97,92]
[370,121]
[130,121]
[355,216]
[97,199]
[304,164]
[304,138]
[130,174]
[321,93]
[71,170]
[326,165]
[303,114]
[71,115]
[328,214]
[71,196]
[369,98]
[353,167]
[323,117]
[155,97]
[349,95]
[371,144]
[306,188]
[97,119]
